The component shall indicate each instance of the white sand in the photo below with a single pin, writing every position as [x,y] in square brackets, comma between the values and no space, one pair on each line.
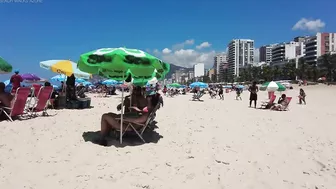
[210,144]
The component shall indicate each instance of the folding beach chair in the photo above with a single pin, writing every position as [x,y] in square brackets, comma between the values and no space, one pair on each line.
[266,104]
[289,99]
[197,96]
[18,107]
[42,100]
[142,127]
[36,89]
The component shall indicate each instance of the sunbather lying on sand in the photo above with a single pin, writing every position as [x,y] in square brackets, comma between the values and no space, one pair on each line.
[109,121]
[282,103]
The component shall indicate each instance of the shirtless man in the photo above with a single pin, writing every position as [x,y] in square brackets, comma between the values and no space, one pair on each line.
[5,100]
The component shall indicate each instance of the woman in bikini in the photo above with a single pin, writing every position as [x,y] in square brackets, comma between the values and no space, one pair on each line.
[109,121]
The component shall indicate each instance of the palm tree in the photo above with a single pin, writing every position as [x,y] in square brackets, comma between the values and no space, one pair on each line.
[302,69]
[327,63]
[266,73]
[289,70]
[276,72]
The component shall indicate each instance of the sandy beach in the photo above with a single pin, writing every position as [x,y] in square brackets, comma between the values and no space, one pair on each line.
[209,144]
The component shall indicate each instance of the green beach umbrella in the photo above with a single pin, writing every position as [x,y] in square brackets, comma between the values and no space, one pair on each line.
[272,86]
[121,63]
[176,85]
[5,67]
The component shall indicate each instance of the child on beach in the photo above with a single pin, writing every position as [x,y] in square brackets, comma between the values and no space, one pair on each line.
[302,96]
[238,93]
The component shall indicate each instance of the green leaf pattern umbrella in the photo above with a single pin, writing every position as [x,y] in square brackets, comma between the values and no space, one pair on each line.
[121,63]
[5,67]
[273,86]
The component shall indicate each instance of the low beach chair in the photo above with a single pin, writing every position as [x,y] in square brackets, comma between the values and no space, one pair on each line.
[289,99]
[284,108]
[18,107]
[268,104]
[197,96]
[42,101]
[142,126]
[36,89]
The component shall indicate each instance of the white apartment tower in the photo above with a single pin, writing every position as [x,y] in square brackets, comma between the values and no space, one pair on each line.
[240,54]
[219,62]
[282,53]
[199,70]
[319,45]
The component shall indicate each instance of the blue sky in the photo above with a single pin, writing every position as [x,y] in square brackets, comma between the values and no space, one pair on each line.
[59,29]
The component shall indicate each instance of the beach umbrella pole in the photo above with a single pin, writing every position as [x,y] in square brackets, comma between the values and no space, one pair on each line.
[122,113]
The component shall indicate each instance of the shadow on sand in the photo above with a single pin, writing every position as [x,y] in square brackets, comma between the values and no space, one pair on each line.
[129,139]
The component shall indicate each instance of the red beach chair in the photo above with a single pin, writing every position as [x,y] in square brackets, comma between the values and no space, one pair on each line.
[18,104]
[42,100]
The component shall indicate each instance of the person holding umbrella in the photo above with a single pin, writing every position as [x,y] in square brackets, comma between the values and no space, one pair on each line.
[16,80]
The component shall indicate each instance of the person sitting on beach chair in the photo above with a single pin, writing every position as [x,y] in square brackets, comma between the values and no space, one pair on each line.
[5,100]
[135,99]
[110,121]
[212,93]
[282,103]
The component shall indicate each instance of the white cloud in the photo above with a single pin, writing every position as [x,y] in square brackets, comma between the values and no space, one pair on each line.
[166,51]
[189,42]
[189,57]
[309,25]
[203,45]
[182,45]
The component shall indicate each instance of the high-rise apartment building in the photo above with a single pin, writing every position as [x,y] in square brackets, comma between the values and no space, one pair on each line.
[219,61]
[283,52]
[319,45]
[265,53]
[240,54]
[199,70]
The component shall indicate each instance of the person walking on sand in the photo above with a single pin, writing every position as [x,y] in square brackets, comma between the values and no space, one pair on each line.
[220,93]
[253,89]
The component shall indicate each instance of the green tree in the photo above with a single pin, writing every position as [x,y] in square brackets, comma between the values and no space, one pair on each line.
[327,63]
[276,72]
[289,70]
[206,79]
[266,73]
[302,68]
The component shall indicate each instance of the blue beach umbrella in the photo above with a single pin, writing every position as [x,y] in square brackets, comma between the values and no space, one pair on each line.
[199,84]
[110,82]
[59,78]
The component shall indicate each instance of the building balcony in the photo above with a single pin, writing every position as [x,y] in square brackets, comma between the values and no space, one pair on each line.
[312,55]
[278,50]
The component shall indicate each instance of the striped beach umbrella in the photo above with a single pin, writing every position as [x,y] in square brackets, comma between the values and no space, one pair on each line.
[272,86]
[65,67]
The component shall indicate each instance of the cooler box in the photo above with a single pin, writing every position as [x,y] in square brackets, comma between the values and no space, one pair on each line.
[60,102]
[84,103]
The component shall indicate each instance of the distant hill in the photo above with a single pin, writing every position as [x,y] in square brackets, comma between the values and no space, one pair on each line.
[173,69]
